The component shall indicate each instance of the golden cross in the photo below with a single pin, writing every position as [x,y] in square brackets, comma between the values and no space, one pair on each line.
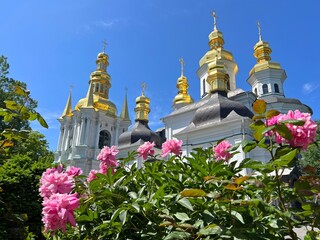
[181,60]
[105,44]
[144,86]
[214,15]
[259,29]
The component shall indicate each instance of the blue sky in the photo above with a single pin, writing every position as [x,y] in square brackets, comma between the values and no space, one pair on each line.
[53,44]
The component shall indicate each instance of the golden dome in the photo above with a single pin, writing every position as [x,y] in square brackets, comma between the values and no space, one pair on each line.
[218,78]
[142,108]
[262,53]
[182,84]
[99,103]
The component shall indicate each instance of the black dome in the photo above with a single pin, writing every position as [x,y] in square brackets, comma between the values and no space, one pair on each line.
[219,107]
[140,130]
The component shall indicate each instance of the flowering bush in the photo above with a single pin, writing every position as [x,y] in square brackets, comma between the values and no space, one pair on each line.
[171,146]
[146,150]
[221,151]
[200,197]
[107,156]
[58,211]
[302,136]
[58,201]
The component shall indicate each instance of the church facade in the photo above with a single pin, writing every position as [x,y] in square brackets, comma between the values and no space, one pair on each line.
[223,111]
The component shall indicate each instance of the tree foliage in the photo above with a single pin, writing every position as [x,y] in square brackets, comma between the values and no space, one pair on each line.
[24,155]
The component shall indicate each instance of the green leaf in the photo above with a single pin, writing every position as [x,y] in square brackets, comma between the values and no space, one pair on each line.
[294,122]
[123,216]
[175,235]
[20,91]
[259,106]
[237,216]
[182,216]
[185,203]
[286,159]
[7,118]
[12,105]
[84,218]
[42,121]
[212,229]
[193,193]
[32,116]
[272,113]
[284,131]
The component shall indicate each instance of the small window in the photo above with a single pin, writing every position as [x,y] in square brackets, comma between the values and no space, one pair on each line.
[203,87]
[256,91]
[276,88]
[265,88]
[104,139]
[97,88]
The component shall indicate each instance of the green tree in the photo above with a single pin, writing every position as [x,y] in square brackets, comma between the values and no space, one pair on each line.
[24,155]
[7,86]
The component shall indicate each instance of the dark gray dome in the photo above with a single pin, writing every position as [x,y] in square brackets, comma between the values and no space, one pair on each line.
[219,107]
[140,130]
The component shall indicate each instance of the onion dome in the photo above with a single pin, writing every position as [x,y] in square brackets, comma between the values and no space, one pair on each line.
[219,106]
[262,53]
[100,82]
[140,130]
[182,98]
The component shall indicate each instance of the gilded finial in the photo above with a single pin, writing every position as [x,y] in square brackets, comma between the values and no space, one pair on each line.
[105,44]
[259,30]
[214,15]
[182,62]
[144,86]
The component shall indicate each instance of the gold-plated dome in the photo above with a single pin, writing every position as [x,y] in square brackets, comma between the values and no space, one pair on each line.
[99,85]
[218,79]
[262,53]
[142,108]
[183,96]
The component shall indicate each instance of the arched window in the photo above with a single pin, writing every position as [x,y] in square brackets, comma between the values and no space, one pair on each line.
[256,91]
[104,139]
[204,87]
[276,88]
[265,88]
[97,87]
[228,85]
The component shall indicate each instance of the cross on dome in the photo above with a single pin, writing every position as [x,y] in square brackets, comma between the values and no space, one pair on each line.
[214,15]
[105,44]
[144,86]
[182,62]
[259,30]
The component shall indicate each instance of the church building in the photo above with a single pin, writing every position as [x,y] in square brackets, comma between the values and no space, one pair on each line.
[223,111]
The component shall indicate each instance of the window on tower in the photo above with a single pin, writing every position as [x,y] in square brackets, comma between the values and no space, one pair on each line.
[264,88]
[104,139]
[204,87]
[276,88]
[256,91]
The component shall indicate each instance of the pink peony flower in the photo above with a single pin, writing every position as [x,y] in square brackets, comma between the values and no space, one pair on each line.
[171,146]
[221,151]
[302,136]
[92,175]
[108,156]
[58,210]
[55,182]
[73,171]
[146,150]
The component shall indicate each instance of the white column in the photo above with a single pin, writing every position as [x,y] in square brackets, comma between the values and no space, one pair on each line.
[60,137]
